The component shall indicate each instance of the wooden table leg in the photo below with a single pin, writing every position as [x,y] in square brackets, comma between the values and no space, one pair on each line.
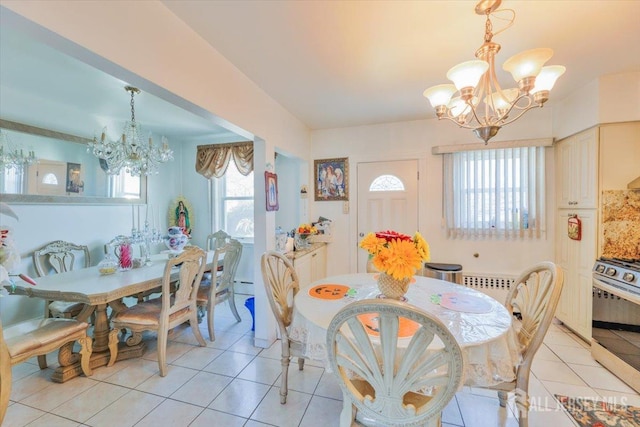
[69,361]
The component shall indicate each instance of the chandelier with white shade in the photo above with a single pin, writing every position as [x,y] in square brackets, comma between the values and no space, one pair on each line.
[133,152]
[476,100]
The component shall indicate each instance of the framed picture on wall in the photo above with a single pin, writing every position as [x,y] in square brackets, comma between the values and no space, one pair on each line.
[271,188]
[75,184]
[331,179]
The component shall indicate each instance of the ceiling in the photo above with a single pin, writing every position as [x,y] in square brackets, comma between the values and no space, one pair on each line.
[330,63]
[346,63]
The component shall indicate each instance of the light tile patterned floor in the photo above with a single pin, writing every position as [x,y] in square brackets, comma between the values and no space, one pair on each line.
[230,383]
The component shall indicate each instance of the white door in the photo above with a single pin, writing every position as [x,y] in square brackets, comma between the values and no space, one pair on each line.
[387,199]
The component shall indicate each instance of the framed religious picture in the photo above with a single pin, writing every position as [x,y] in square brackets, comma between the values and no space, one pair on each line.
[331,179]
[181,215]
[271,188]
[75,184]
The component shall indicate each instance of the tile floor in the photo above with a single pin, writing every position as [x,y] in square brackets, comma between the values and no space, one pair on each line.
[231,383]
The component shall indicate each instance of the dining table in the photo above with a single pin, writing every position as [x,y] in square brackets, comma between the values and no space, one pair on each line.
[481,325]
[98,292]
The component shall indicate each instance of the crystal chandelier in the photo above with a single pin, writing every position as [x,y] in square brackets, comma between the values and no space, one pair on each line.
[130,152]
[13,157]
[480,102]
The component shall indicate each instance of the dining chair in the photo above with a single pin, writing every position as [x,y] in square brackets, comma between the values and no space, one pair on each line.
[169,310]
[37,337]
[396,364]
[281,285]
[59,257]
[215,241]
[534,295]
[220,288]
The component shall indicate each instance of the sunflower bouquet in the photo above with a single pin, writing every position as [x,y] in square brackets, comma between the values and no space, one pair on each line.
[396,254]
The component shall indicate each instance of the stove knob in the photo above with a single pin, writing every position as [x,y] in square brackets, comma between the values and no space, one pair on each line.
[628,277]
[611,271]
[600,268]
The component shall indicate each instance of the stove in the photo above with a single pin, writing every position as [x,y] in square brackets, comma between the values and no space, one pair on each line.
[619,273]
[615,329]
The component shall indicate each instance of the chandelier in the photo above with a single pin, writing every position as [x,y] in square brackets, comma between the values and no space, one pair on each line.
[13,157]
[480,102]
[130,152]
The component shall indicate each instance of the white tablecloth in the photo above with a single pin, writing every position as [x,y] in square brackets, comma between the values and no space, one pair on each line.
[487,339]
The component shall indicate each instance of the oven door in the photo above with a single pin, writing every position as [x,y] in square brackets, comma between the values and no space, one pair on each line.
[616,331]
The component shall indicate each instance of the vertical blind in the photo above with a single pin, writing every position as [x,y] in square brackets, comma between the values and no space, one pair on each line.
[496,192]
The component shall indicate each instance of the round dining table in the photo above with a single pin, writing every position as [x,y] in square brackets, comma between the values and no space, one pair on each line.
[481,325]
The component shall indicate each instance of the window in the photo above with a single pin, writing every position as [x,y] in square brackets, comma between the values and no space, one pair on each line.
[124,185]
[234,203]
[387,183]
[497,192]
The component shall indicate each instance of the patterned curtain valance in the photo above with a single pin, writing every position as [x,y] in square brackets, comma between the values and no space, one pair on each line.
[213,160]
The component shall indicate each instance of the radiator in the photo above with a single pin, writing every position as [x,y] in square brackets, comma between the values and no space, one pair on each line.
[611,308]
[496,286]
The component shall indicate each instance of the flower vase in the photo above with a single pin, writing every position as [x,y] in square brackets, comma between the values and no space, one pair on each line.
[392,287]
[301,241]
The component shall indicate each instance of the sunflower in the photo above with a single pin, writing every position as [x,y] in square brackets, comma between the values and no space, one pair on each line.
[403,259]
[396,254]
[372,244]
[422,246]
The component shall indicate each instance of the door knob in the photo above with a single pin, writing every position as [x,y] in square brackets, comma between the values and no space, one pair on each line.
[361,234]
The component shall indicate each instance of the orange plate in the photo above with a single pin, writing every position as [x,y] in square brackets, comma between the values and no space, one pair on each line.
[370,321]
[328,291]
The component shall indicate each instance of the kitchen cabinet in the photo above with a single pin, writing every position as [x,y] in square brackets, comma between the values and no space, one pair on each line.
[576,258]
[310,264]
[577,170]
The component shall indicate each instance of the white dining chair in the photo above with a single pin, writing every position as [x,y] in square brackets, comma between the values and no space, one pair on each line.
[534,297]
[396,365]
[281,285]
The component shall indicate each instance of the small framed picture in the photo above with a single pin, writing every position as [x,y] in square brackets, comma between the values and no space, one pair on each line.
[75,184]
[271,188]
[331,179]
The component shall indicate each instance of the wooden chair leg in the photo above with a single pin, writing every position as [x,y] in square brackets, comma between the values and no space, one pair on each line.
[42,361]
[348,413]
[211,306]
[5,386]
[196,330]
[232,304]
[284,380]
[162,351]
[503,396]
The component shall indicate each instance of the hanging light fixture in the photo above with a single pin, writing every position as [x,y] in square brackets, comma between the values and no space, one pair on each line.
[130,152]
[480,102]
[12,156]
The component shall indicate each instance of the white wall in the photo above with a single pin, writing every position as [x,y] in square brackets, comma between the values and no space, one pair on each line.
[415,140]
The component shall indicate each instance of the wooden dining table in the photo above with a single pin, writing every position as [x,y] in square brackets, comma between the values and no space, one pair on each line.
[481,325]
[98,292]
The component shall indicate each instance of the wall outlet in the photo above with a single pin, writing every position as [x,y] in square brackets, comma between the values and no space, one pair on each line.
[345,207]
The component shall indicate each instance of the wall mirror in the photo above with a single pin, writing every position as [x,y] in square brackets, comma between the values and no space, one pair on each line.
[62,172]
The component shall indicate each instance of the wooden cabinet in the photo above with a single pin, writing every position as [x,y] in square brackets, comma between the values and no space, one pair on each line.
[577,170]
[576,258]
[311,264]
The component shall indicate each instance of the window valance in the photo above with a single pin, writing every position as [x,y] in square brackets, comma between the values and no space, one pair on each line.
[213,160]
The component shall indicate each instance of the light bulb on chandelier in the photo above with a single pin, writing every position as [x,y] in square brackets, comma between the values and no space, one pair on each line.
[481,104]
[130,152]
